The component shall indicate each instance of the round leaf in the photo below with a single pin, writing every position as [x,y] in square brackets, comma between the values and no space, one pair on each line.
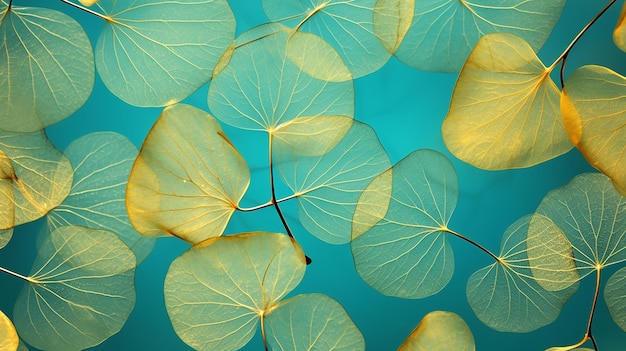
[615,297]
[442,331]
[8,336]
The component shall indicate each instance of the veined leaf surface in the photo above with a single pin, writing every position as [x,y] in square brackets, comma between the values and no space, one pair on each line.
[40,83]
[8,336]
[102,162]
[311,136]
[442,331]
[594,109]
[5,237]
[407,254]
[80,292]
[443,32]
[156,53]
[217,292]
[615,297]
[392,21]
[188,178]
[505,110]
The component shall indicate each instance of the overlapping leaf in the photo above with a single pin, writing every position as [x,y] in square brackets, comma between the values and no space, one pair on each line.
[392,21]
[407,254]
[188,178]
[619,34]
[217,292]
[505,295]
[40,83]
[8,336]
[261,88]
[505,111]
[156,53]
[442,331]
[615,297]
[102,163]
[443,32]
[310,136]
[594,110]
[5,237]
[312,322]
[80,292]
[327,187]
[35,177]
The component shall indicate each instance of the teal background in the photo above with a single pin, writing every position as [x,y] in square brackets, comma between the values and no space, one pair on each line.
[406,108]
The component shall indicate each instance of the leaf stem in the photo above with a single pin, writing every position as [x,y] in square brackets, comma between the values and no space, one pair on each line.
[17,275]
[445,229]
[88,10]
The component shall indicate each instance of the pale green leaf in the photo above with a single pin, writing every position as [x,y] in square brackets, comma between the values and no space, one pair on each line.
[505,110]
[8,336]
[505,295]
[615,297]
[327,187]
[156,53]
[5,237]
[312,322]
[314,56]
[80,292]
[217,292]
[188,178]
[392,21]
[311,136]
[594,109]
[41,83]
[441,331]
[407,254]
[102,162]
[373,203]
[443,32]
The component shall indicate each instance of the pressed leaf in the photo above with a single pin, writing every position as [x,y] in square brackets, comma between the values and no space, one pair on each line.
[505,295]
[443,32]
[619,34]
[188,178]
[36,178]
[217,292]
[372,204]
[311,136]
[80,292]
[5,237]
[615,297]
[327,187]
[8,336]
[261,88]
[392,20]
[102,163]
[442,331]
[316,57]
[156,53]
[594,110]
[40,83]
[407,254]
[348,26]
[312,322]
[505,111]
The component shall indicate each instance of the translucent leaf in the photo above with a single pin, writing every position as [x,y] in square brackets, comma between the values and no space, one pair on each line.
[156,53]
[102,163]
[316,57]
[261,88]
[619,34]
[392,20]
[373,203]
[80,292]
[36,177]
[8,336]
[188,178]
[442,331]
[346,25]
[311,136]
[593,217]
[217,291]
[505,295]
[615,297]
[327,187]
[594,110]
[5,237]
[505,111]
[407,253]
[443,32]
[312,322]
[88,2]
[40,83]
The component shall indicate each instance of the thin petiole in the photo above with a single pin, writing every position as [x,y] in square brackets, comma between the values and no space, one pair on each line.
[482,248]
[88,10]
[17,275]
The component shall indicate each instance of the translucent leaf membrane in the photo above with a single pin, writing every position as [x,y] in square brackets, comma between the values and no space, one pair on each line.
[217,291]
[35,177]
[406,254]
[261,88]
[156,53]
[80,292]
[8,336]
[442,331]
[615,297]
[392,20]
[188,178]
[327,187]
[311,136]
[592,214]
[594,109]
[505,295]
[443,32]
[316,57]
[5,237]
[373,203]
[88,2]
[348,26]
[505,111]
[40,84]
[312,322]
[102,162]
[619,34]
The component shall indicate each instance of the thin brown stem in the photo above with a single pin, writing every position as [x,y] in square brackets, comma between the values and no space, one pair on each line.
[473,243]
